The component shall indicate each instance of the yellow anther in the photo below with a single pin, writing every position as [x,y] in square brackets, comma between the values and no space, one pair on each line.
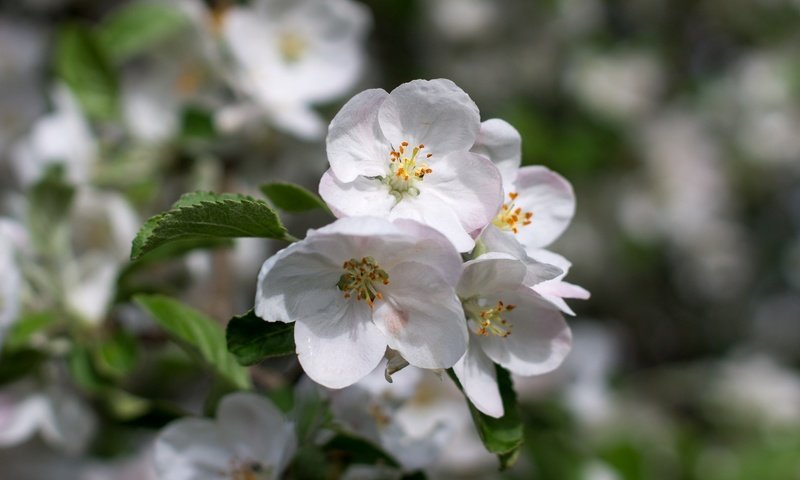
[488,321]
[406,169]
[511,217]
[359,279]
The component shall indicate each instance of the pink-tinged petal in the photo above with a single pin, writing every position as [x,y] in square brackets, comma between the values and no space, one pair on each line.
[341,346]
[556,291]
[255,430]
[362,196]
[191,448]
[435,113]
[421,317]
[296,283]
[355,143]
[469,184]
[21,418]
[428,210]
[495,240]
[551,200]
[502,144]
[491,273]
[552,258]
[478,378]
[540,338]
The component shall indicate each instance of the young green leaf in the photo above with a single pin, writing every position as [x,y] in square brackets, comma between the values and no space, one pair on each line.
[205,215]
[82,64]
[139,26]
[502,436]
[27,326]
[197,333]
[49,202]
[252,339]
[292,198]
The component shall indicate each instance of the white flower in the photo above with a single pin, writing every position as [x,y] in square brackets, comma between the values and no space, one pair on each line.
[102,227]
[250,439]
[539,203]
[61,137]
[405,154]
[10,287]
[510,325]
[290,54]
[539,207]
[359,285]
[61,418]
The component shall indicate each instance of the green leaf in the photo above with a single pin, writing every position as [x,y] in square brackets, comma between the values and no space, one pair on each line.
[139,26]
[205,215]
[252,339]
[501,436]
[82,64]
[50,200]
[19,363]
[198,334]
[27,326]
[292,198]
[116,356]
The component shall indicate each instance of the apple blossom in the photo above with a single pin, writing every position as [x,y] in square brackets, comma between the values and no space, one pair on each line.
[359,285]
[61,137]
[249,439]
[510,324]
[405,154]
[61,418]
[539,206]
[289,55]
[10,287]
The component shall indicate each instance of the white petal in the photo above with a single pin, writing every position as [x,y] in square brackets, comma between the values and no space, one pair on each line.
[428,210]
[355,143]
[491,273]
[341,346]
[431,248]
[478,378]
[421,317]
[20,418]
[70,424]
[191,449]
[432,112]
[495,240]
[362,196]
[254,429]
[296,118]
[551,199]
[297,282]
[470,185]
[540,338]
[502,144]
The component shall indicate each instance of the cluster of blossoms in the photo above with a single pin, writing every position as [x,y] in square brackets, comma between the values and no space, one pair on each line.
[419,184]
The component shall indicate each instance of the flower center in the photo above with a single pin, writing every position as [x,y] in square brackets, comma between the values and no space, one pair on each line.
[511,217]
[359,279]
[488,321]
[292,47]
[249,470]
[406,168]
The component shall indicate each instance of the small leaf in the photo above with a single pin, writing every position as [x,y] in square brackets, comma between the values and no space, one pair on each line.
[292,198]
[49,202]
[197,333]
[501,436]
[116,356]
[82,64]
[252,339]
[27,326]
[139,26]
[205,215]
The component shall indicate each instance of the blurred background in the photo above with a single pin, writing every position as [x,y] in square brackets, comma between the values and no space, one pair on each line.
[677,122]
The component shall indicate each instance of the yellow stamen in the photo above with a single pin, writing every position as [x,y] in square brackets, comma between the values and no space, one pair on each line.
[359,279]
[511,217]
